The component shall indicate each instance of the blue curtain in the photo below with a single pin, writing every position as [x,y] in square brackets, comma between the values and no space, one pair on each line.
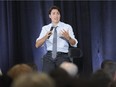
[103,32]
[20,25]
[93,23]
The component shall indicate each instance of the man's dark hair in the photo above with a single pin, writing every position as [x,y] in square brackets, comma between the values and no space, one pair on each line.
[54,7]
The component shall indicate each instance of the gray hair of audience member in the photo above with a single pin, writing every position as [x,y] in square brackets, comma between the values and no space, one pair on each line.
[105,63]
[34,80]
[110,69]
[70,68]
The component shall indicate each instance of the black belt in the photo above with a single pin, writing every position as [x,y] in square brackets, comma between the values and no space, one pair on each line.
[57,52]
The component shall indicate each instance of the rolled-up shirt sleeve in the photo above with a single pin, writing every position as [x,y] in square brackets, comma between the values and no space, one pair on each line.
[71,33]
[42,34]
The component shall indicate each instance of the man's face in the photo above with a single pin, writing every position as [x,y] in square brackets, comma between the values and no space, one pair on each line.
[55,16]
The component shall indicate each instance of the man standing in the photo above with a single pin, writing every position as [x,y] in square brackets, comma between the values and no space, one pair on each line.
[57,35]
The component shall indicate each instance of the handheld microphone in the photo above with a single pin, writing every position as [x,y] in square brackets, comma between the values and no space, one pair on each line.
[51,30]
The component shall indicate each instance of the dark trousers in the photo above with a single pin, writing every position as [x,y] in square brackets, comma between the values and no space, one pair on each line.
[49,63]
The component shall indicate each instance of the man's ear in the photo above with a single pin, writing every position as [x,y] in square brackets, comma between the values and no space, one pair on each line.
[49,16]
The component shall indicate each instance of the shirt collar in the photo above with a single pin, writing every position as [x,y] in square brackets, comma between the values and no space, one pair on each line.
[57,24]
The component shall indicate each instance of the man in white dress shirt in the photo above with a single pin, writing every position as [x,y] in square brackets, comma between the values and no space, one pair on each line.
[65,36]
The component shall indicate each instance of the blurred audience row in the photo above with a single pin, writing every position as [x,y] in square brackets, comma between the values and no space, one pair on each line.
[66,75]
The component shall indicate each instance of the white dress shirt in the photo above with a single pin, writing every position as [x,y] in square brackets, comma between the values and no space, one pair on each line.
[62,44]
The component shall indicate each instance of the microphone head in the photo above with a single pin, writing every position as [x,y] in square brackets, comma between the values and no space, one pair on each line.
[51,28]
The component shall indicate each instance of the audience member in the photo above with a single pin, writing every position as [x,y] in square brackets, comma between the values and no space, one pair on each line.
[80,82]
[61,77]
[105,63]
[70,68]
[33,66]
[110,69]
[113,84]
[34,80]
[100,79]
[18,70]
